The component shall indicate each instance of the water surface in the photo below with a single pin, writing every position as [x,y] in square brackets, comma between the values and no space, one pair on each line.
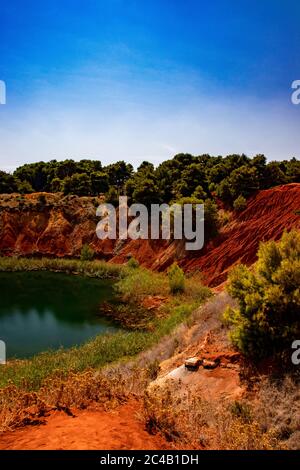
[41,311]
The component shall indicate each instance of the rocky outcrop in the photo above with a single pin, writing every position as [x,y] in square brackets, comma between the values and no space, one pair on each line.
[44,224]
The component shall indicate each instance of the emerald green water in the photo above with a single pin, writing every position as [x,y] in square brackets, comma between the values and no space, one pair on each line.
[41,311]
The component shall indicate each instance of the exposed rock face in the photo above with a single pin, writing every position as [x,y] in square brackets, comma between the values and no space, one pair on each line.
[267,215]
[49,225]
[53,225]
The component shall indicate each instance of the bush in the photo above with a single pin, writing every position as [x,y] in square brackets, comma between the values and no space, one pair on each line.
[224,217]
[267,320]
[133,263]
[87,253]
[240,204]
[211,217]
[176,279]
[199,193]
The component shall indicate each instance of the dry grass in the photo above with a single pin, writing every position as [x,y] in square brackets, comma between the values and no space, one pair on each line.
[192,422]
[277,407]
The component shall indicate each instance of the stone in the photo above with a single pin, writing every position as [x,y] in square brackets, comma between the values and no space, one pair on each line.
[209,364]
[193,362]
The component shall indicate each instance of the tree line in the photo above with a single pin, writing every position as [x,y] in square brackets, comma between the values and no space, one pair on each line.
[232,178]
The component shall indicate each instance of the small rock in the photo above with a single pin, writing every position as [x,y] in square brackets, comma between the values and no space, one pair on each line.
[193,362]
[209,364]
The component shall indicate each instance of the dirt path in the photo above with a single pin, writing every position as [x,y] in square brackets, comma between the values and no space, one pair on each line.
[118,429]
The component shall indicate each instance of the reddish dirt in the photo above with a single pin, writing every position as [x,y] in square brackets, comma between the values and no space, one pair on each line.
[121,429]
[267,215]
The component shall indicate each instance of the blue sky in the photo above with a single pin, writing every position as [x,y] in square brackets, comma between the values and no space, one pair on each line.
[136,80]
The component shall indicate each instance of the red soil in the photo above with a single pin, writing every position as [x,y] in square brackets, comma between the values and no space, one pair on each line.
[88,430]
[267,215]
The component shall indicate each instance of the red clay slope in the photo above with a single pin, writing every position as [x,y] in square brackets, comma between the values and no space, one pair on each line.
[267,214]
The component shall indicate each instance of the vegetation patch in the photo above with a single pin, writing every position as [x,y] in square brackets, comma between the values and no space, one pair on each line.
[189,419]
[200,177]
[98,269]
[267,319]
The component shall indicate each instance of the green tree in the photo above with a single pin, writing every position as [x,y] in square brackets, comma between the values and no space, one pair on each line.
[274,175]
[142,187]
[24,187]
[211,217]
[35,174]
[56,185]
[267,319]
[199,193]
[223,191]
[8,183]
[243,181]
[292,170]
[211,220]
[191,177]
[240,204]
[259,162]
[112,196]
[146,192]
[118,173]
[78,184]
[99,183]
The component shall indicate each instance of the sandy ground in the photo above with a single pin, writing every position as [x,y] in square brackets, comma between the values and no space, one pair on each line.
[120,429]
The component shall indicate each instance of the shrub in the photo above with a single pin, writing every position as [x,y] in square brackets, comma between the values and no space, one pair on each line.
[211,217]
[224,217]
[133,263]
[199,193]
[176,279]
[87,253]
[267,319]
[240,204]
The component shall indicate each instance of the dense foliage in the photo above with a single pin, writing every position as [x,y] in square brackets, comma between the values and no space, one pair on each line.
[201,177]
[267,320]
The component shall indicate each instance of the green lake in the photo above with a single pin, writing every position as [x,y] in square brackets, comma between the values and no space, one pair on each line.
[43,310]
